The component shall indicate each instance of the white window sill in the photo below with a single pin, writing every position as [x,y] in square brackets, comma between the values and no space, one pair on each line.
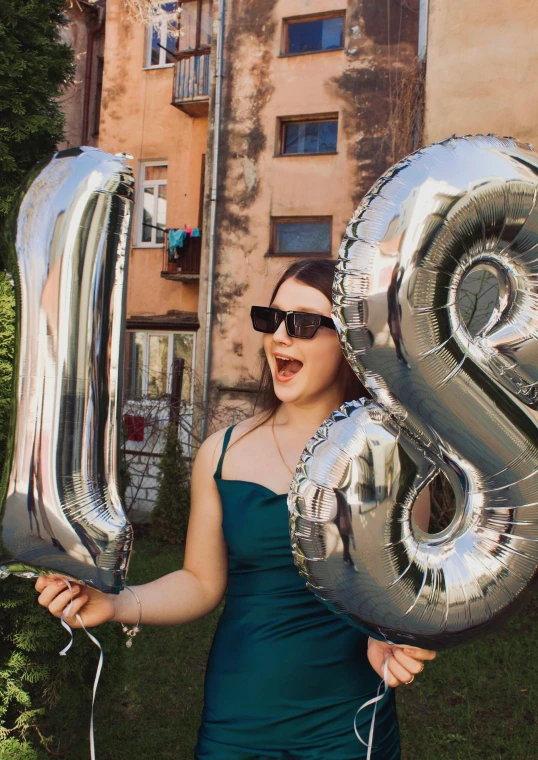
[148,245]
[152,68]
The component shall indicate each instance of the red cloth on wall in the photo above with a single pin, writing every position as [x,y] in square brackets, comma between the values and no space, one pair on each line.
[135,427]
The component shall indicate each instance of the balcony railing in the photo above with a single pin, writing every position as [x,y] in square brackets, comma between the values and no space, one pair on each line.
[186,264]
[192,74]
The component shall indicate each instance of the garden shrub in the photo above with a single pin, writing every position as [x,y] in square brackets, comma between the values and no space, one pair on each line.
[44,698]
[34,70]
[170,514]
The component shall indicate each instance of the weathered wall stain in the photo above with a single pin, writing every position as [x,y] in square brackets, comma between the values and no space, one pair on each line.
[247,49]
[382,48]
[392,23]
[246,89]
[116,75]
[227,290]
[259,88]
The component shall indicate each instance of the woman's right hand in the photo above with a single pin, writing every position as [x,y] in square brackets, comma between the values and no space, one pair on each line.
[94,607]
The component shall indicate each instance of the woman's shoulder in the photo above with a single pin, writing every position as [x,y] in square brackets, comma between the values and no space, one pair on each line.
[211,447]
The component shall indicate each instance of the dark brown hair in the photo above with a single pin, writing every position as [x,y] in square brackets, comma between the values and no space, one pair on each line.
[318,274]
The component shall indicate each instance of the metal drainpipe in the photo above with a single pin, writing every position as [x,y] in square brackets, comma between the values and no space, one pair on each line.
[213,216]
[423,29]
[88,74]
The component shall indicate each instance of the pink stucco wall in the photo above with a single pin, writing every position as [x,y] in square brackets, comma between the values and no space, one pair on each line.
[482,59]
[137,117]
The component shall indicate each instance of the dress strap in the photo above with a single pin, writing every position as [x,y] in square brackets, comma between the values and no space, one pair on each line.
[225,442]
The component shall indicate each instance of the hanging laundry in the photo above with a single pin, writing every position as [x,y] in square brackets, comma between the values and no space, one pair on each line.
[195,232]
[176,239]
[134,427]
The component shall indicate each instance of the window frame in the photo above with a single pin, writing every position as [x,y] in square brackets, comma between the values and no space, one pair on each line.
[303,119]
[198,49]
[140,214]
[310,17]
[145,362]
[148,66]
[298,220]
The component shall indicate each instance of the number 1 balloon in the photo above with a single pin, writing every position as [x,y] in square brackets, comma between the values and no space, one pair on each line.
[60,511]
[446,398]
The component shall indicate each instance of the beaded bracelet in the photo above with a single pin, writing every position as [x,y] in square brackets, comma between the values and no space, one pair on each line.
[131,632]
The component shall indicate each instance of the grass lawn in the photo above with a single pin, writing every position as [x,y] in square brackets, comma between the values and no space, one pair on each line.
[476,701]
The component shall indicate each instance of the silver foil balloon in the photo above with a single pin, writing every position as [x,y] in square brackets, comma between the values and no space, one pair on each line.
[60,508]
[449,396]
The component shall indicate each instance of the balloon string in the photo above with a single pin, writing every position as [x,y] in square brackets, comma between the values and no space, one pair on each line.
[374,701]
[99,666]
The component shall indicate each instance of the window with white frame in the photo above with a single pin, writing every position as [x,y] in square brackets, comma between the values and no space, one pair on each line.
[152,216]
[148,380]
[149,357]
[163,38]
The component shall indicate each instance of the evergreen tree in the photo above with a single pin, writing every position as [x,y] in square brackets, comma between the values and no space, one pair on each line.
[34,69]
[170,514]
[7,332]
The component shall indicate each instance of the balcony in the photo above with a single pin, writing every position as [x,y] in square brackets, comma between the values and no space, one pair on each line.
[192,74]
[186,266]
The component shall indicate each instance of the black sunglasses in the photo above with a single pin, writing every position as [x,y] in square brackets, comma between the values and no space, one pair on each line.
[299,324]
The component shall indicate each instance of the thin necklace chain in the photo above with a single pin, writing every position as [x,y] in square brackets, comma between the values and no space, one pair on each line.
[278,449]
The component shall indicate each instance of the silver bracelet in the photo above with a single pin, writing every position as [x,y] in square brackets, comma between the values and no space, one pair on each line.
[131,632]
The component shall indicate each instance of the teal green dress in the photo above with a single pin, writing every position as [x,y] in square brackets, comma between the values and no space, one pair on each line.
[285,676]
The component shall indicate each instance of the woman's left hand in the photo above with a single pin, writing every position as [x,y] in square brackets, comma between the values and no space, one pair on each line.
[404,662]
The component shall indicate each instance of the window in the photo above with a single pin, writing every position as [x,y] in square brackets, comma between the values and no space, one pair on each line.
[153,206]
[147,381]
[163,37]
[292,236]
[299,137]
[148,364]
[195,22]
[312,35]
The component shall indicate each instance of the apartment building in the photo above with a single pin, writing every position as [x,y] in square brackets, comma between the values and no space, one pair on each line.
[155,107]
[254,131]
[314,107]
[300,95]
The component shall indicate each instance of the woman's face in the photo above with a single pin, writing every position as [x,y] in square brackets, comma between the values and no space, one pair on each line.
[316,363]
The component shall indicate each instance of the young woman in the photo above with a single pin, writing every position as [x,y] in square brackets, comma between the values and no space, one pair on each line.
[285,675]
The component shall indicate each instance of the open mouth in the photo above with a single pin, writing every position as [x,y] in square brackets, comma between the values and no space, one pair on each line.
[286,368]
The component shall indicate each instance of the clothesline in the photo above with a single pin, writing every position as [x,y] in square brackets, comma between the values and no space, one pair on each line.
[169,229]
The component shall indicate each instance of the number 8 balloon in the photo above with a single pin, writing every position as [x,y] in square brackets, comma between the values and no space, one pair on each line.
[446,399]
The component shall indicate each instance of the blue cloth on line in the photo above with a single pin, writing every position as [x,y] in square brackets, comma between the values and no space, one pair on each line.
[195,232]
[176,238]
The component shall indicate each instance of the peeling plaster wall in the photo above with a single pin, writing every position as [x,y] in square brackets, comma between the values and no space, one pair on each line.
[482,60]
[260,86]
[75,34]
[137,117]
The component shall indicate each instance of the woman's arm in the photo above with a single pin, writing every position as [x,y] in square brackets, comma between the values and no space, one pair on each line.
[179,597]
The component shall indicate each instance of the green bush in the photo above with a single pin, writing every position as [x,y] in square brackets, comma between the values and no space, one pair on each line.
[39,690]
[7,330]
[170,514]
[34,679]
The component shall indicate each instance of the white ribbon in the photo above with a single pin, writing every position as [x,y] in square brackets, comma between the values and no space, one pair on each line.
[374,702]
[99,666]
